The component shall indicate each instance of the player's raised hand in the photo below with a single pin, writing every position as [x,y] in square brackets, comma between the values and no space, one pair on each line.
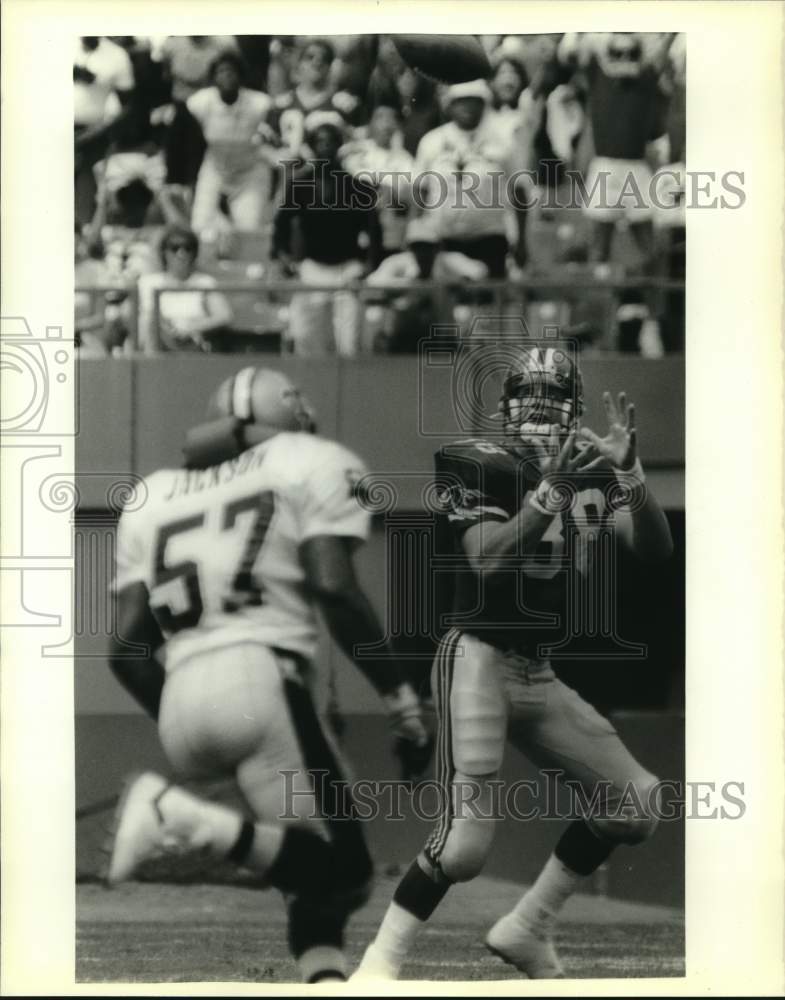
[619,446]
[563,459]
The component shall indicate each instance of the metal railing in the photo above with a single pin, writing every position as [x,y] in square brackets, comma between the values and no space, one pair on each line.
[503,298]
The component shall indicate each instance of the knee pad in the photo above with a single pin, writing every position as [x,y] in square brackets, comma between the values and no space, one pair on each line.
[634,817]
[477,708]
[479,731]
[466,848]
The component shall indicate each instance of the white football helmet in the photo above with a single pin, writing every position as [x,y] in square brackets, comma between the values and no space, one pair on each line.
[265,398]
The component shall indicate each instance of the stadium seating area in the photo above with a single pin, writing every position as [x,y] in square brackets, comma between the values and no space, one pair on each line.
[160,131]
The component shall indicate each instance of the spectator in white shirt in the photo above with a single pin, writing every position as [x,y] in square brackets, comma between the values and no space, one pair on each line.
[103,83]
[103,77]
[471,160]
[231,116]
[189,308]
[186,62]
[91,330]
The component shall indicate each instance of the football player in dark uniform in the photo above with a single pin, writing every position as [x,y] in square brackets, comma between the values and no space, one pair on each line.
[527,517]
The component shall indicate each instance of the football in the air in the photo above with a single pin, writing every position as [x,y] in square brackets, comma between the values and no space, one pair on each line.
[447,58]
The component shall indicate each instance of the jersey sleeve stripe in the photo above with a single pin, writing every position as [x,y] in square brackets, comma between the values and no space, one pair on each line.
[479,514]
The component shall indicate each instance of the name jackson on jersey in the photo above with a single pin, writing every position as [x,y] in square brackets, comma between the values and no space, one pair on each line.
[195,480]
[218,548]
[528,604]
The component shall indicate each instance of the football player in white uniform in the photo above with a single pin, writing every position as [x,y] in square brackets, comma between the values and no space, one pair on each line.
[225,566]
[528,519]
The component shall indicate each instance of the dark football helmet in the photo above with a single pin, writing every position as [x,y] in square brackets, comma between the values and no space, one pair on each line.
[542,387]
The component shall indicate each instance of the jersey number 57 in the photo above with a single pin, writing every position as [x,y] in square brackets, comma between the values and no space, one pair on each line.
[244,590]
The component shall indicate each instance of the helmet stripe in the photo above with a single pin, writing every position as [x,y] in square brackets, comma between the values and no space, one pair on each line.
[242,407]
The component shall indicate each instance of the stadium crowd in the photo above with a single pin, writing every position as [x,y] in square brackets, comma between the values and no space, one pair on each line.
[317,195]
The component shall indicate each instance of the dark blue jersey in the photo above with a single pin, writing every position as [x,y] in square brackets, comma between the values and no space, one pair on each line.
[529,604]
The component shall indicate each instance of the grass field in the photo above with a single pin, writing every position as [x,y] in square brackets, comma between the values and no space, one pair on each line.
[153,932]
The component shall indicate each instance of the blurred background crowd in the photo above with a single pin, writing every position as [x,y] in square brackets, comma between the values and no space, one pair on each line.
[316,195]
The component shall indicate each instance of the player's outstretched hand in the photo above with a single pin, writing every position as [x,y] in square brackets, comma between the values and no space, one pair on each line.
[412,743]
[619,446]
[568,459]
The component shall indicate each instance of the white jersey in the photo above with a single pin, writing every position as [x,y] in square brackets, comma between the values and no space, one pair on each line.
[488,154]
[218,548]
[230,130]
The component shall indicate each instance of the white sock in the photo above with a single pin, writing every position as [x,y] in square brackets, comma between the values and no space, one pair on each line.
[540,906]
[397,934]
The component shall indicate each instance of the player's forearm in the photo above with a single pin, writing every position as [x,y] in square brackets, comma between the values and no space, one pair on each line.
[495,543]
[353,624]
[651,534]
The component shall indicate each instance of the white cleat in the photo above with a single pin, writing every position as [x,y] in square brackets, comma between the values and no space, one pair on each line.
[374,966]
[139,828]
[518,945]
